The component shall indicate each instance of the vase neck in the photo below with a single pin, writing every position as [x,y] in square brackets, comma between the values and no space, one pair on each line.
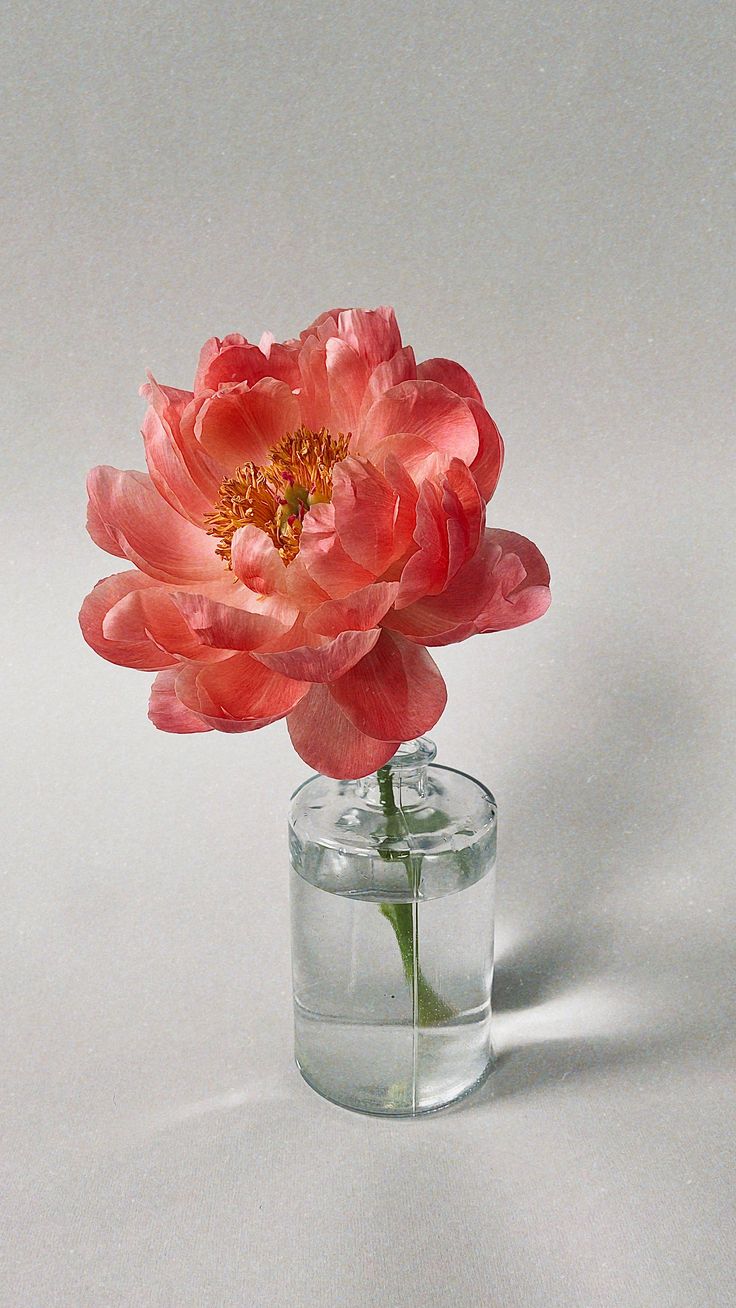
[404,776]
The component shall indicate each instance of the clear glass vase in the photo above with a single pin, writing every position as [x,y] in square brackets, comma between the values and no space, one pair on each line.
[392,889]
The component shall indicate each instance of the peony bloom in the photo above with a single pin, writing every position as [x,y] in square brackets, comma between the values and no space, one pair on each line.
[312,519]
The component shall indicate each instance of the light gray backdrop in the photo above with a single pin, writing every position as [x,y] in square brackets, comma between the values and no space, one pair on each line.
[541,191]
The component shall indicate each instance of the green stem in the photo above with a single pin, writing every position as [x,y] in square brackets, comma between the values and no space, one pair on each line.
[431,1009]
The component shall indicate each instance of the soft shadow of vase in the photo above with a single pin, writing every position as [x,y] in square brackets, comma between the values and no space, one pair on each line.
[392,888]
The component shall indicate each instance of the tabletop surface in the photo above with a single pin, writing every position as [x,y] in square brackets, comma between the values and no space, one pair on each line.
[541,190]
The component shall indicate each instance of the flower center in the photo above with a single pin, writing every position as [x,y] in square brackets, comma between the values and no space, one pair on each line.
[276,497]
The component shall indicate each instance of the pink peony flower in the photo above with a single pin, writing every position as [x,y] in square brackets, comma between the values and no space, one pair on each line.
[312,519]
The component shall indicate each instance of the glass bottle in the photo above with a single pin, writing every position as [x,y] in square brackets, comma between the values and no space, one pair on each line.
[392,889]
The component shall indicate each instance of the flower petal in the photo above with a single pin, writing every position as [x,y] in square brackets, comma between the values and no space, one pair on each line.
[395,693]
[152,614]
[347,378]
[423,409]
[323,556]
[147,530]
[167,712]
[241,425]
[357,612]
[167,466]
[426,571]
[486,467]
[239,694]
[234,359]
[325,661]
[505,585]
[373,333]
[329,742]
[134,650]
[365,511]
[228,626]
[452,375]
[400,368]
[256,561]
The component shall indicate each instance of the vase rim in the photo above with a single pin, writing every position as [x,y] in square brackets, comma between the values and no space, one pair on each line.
[417,753]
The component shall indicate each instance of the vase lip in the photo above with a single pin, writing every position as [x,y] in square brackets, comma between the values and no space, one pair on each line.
[411,754]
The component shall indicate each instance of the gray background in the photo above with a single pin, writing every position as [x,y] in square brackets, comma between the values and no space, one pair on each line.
[542,192]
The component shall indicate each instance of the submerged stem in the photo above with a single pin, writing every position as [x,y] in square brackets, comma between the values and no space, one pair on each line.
[431,1009]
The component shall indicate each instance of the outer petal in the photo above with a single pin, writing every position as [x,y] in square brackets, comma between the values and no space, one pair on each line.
[167,712]
[147,530]
[452,375]
[347,378]
[257,562]
[239,694]
[426,571]
[400,368]
[373,333]
[228,626]
[486,467]
[321,662]
[365,513]
[240,424]
[137,652]
[395,693]
[324,558]
[465,513]
[167,465]
[357,612]
[505,585]
[424,410]
[327,740]
[152,614]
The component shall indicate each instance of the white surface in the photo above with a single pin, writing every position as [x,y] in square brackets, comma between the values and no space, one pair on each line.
[541,190]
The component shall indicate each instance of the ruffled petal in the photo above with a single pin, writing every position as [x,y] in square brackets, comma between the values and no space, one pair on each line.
[395,693]
[167,712]
[241,425]
[152,614]
[426,571]
[134,649]
[465,514]
[147,530]
[357,612]
[486,467]
[256,561]
[163,441]
[400,368]
[452,375]
[329,742]
[234,359]
[426,411]
[372,333]
[325,660]
[323,556]
[239,693]
[229,626]
[505,585]
[365,512]
[347,378]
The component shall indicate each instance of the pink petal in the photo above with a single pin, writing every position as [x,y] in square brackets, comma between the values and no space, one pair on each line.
[167,712]
[395,693]
[373,333]
[148,531]
[426,571]
[321,662]
[241,425]
[465,513]
[423,409]
[329,742]
[486,467]
[239,694]
[324,558]
[152,614]
[347,377]
[228,626]
[100,534]
[402,367]
[257,562]
[234,360]
[365,511]
[452,375]
[505,585]
[167,465]
[137,652]
[406,513]
[357,612]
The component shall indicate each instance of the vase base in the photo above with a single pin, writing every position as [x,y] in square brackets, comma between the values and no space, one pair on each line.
[398,1101]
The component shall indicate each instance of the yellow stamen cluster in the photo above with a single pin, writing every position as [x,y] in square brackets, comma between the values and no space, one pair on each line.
[276,497]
